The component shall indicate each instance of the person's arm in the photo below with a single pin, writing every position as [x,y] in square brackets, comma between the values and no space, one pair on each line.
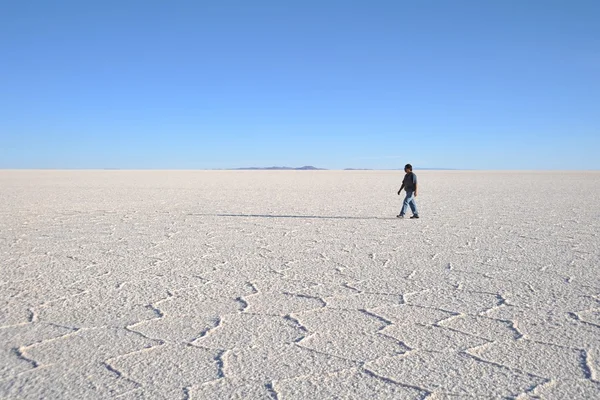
[401,187]
[415,183]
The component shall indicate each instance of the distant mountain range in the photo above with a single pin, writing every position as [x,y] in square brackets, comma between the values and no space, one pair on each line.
[305,168]
[311,168]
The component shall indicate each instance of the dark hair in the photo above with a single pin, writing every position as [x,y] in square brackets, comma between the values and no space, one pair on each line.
[408,166]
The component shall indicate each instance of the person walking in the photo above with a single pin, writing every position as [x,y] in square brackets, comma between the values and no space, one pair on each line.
[410,185]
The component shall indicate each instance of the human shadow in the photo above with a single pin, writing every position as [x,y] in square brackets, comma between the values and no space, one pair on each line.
[292,216]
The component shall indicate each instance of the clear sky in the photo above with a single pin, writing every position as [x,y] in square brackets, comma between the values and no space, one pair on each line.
[506,84]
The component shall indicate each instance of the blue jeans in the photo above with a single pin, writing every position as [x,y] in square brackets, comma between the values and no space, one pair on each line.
[409,200]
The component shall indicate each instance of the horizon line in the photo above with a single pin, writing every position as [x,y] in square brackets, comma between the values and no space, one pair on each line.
[295,169]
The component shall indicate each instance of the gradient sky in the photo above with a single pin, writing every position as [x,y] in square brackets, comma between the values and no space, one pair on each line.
[508,84]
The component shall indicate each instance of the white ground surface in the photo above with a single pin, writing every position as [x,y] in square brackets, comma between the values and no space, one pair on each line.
[298,285]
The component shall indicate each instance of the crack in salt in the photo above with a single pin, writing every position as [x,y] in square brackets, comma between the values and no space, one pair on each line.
[530,391]
[271,391]
[512,325]
[450,318]
[385,321]
[120,375]
[424,392]
[18,352]
[220,363]
[130,329]
[479,359]
[347,286]
[157,312]
[298,325]
[358,363]
[252,287]
[243,304]
[577,317]
[33,315]
[305,296]
[586,365]
[217,322]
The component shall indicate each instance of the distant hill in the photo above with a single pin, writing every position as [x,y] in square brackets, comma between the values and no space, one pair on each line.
[427,169]
[401,169]
[311,168]
[305,168]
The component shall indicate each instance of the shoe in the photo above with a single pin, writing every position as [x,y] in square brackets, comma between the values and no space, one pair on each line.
[414,217]
[399,216]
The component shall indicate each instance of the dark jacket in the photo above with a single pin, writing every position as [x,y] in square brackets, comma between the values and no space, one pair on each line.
[410,182]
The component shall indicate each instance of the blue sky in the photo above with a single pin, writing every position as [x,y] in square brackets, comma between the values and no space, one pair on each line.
[475,84]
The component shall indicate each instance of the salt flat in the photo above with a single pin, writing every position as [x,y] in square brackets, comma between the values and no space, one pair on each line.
[298,285]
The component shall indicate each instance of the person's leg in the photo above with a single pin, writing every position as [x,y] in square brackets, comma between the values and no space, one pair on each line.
[413,206]
[407,199]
